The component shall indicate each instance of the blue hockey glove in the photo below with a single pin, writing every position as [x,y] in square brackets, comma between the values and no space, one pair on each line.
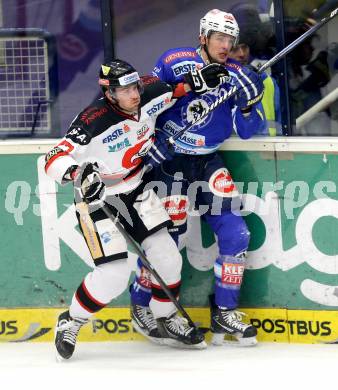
[91,185]
[159,152]
[250,88]
[206,78]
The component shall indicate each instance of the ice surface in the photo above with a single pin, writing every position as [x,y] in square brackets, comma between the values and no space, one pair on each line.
[141,365]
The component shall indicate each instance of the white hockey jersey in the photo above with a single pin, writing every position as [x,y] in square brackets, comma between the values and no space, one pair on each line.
[113,139]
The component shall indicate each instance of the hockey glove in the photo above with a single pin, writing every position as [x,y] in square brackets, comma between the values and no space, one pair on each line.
[159,152]
[207,78]
[91,185]
[250,88]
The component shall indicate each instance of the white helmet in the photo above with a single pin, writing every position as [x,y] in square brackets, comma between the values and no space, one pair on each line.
[216,20]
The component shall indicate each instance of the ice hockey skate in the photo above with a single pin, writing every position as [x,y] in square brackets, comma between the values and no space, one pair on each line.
[144,323]
[177,333]
[227,328]
[66,331]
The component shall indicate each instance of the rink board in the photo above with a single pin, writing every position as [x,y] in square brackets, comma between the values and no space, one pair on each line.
[114,324]
[291,208]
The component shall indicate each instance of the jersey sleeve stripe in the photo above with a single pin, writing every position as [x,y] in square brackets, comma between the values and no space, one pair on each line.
[52,159]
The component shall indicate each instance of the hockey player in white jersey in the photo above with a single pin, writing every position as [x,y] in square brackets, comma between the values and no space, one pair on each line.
[102,153]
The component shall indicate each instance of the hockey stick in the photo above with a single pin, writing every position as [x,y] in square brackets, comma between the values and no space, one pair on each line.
[221,99]
[147,264]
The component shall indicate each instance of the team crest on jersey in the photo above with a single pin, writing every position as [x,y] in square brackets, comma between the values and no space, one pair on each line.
[195,109]
[133,156]
[221,184]
[176,206]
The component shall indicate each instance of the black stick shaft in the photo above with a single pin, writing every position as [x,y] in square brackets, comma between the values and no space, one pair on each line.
[297,41]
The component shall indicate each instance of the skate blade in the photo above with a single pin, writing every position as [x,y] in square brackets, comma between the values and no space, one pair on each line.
[154,340]
[219,339]
[172,343]
[59,358]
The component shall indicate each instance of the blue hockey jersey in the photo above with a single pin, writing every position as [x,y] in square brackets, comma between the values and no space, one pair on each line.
[206,136]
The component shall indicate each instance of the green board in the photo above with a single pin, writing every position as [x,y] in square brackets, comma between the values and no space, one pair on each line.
[290,205]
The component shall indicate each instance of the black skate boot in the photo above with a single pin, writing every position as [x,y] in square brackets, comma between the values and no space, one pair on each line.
[177,332]
[66,331]
[229,323]
[144,323]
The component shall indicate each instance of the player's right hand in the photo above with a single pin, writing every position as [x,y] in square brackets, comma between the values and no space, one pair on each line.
[206,78]
[92,187]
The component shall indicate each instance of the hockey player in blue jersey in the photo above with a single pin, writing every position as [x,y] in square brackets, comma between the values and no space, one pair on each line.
[195,157]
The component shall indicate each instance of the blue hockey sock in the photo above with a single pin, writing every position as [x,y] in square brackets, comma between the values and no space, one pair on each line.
[140,290]
[228,279]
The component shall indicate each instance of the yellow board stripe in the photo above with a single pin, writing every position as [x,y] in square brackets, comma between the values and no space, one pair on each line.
[113,324]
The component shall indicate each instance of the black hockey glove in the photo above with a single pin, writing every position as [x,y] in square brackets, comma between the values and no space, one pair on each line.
[250,88]
[159,151]
[91,185]
[207,78]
